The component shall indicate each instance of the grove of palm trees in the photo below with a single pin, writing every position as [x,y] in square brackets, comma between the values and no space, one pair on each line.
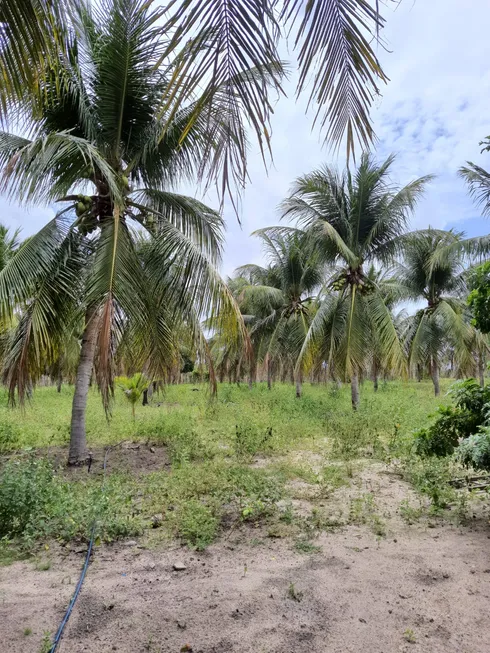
[245,397]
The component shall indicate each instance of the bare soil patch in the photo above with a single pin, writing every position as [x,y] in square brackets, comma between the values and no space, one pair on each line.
[419,588]
[129,457]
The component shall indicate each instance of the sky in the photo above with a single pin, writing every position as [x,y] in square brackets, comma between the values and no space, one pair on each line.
[432,114]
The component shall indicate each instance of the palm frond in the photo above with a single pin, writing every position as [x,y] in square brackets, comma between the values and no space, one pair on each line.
[48,168]
[333,43]
[478,182]
[193,218]
[224,38]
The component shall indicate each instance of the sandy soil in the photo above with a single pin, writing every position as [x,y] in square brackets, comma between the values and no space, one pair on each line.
[429,583]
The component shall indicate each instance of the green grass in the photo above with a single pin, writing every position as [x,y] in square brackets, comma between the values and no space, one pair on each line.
[212,484]
[45,421]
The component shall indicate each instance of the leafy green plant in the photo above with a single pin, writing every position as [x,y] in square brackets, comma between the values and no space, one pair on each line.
[410,513]
[479,297]
[305,546]
[9,437]
[475,450]
[250,439]
[472,403]
[133,388]
[431,477]
[197,524]
[294,594]
[409,636]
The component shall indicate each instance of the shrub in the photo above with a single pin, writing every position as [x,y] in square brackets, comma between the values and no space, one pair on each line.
[26,489]
[479,298]
[475,450]
[431,477]
[9,437]
[197,524]
[36,503]
[250,439]
[455,423]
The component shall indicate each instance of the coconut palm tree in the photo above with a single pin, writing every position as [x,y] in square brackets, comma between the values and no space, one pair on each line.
[443,287]
[9,244]
[334,41]
[100,141]
[478,180]
[279,298]
[355,220]
[389,287]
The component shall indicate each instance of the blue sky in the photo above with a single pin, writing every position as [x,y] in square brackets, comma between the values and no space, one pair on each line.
[432,114]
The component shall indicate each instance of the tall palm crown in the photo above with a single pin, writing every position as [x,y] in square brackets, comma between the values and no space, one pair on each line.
[99,125]
[278,297]
[355,219]
[434,268]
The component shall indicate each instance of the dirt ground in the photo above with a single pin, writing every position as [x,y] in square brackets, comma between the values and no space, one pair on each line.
[420,588]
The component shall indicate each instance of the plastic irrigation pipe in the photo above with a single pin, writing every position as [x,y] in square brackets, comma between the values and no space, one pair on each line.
[64,621]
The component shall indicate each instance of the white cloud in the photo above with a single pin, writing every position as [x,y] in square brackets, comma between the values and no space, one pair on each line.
[433,113]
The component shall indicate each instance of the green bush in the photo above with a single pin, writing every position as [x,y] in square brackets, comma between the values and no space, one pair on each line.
[197,524]
[250,439]
[479,298]
[475,450]
[9,437]
[26,490]
[431,477]
[36,503]
[455,423]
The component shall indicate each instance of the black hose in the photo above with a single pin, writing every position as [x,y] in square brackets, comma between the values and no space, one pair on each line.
[64,621]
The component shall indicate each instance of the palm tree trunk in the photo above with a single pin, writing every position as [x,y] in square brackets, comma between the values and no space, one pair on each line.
[375,376]
[251,376]
[298,385]
[481,368]
[269,374]
[354,388]
[78,436]
[145,397]
[435,376]
[419,373]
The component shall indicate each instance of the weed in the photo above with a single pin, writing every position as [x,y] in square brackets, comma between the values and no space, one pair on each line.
[317,522]
[287,515]
[363,510]
[208,473]
[46,643]
[9,437]
[280,530]
[36,502]
[304,546]
[197,524]
[409,636]
[409,513]
[27,631]
[294,594]
[331,478]
[43,565]
[250,439]
[431,477]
